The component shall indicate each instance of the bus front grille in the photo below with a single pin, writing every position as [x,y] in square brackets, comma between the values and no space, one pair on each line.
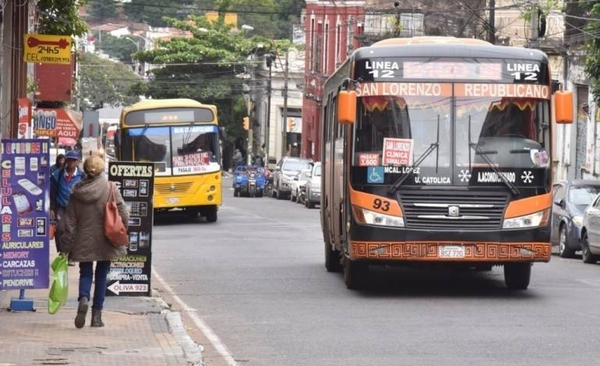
[168,188]
[444,210]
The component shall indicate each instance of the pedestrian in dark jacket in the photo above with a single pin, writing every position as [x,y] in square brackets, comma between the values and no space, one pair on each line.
[62,182]
[84,239]
[59,164]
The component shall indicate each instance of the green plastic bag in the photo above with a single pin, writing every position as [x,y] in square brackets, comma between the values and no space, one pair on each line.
[59,292]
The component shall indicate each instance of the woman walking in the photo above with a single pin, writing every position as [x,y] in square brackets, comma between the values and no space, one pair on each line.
[84,239]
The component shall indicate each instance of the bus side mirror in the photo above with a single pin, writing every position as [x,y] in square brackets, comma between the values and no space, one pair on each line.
[563,106]
[346,108]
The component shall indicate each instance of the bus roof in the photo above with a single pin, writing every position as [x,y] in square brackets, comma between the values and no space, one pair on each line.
[445,47]
[166,103]
[429,40]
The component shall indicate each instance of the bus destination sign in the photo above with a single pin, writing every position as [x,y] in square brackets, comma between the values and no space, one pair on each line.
[481,70]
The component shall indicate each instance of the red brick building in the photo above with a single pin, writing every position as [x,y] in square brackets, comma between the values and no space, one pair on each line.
[330,28]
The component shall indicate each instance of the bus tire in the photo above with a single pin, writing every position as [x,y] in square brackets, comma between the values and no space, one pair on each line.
[517,275]
[332,258]
[211,215]
[354,274]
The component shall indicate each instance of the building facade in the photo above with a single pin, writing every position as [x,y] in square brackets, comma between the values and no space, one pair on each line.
[331,28]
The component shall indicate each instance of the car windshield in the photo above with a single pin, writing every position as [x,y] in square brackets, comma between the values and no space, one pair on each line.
[318,171]
[296,165]
[583,195]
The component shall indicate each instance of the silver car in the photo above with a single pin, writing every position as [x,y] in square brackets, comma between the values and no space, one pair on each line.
[590,232]
[299,185]
[313,187]
[284,173]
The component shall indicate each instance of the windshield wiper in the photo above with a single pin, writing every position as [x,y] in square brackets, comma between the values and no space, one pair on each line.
[491,164]
[433,146]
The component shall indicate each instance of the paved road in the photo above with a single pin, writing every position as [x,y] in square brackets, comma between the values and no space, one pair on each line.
[256,278]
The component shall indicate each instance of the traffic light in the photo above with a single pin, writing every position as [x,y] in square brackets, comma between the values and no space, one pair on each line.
[246,123]
[291,124]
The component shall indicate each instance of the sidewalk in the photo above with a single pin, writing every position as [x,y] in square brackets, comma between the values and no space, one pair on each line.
[138,331]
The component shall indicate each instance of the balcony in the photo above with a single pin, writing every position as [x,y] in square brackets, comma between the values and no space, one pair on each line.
[387,23]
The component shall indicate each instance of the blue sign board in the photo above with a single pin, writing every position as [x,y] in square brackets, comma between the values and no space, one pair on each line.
[25,195]
[375,174]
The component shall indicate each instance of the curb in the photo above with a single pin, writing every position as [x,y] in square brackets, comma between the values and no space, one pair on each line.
[193,351]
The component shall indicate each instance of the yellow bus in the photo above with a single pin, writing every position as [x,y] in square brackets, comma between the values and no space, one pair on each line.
[181,138]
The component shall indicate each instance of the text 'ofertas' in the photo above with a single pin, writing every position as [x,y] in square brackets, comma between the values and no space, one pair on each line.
[131,170]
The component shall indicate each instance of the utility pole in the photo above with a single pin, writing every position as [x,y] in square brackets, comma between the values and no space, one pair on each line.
[269,58]
[492,23]
[285,104]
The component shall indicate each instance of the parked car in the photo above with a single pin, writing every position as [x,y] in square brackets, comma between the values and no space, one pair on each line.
[590,232]
[299,186]
[570,199]
[284,174]
[313,187]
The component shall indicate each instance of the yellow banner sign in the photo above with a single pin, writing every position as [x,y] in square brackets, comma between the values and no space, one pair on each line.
[47,49]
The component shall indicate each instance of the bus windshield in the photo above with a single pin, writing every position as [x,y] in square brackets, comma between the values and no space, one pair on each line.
[176,150]
[507,134]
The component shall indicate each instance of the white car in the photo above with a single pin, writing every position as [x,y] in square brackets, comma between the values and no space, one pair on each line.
[590,232]
[298,185]
[313,187]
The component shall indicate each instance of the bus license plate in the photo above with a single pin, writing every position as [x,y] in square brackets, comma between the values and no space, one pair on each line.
[173,200]
[451,251]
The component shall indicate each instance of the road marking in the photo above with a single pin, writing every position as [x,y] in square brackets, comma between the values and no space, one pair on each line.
[212,337]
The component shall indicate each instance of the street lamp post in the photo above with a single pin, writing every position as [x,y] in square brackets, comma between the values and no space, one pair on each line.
[269,58]
[137,45]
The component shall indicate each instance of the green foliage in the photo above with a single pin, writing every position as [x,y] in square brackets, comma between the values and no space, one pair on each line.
[105,81]
[592,64]
[205,66]
[60,17]
[120,48]
[152,12]
[101,10]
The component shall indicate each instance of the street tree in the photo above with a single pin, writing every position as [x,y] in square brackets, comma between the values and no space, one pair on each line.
[105,82]
[592,30]
[60,17]
[102,10]
[207,66]
[152,12]
[120,48]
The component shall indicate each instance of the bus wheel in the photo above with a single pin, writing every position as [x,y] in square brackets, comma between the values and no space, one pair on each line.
[354,274]
[517,275]
[332,259]
[211,215]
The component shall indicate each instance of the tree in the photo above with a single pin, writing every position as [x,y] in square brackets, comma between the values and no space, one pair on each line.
[153,11]
[205,67]
[120,48]
[105,81]
[592,29]
[60,17]
[101,10]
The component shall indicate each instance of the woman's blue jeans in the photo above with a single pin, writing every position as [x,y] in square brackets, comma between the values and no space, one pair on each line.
[86,274]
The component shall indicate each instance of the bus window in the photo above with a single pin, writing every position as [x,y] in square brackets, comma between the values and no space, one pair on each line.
[148,144]
[195,141]
[508,131]
[414,118]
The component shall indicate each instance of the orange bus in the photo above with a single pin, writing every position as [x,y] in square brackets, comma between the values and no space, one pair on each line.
[437,150]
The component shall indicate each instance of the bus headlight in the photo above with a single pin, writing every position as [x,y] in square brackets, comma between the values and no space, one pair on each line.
[368,217]
[532,220]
